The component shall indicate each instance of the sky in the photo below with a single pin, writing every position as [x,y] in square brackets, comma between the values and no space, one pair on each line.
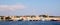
[29,7]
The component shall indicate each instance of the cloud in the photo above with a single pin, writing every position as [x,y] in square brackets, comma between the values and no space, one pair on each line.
[12,7]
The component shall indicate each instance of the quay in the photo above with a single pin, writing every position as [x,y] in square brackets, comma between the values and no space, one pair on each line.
[30,18]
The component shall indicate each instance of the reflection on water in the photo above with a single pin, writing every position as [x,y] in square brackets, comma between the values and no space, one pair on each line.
[29,23]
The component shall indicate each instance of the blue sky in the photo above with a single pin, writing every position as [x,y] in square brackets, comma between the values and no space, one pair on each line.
[29,7]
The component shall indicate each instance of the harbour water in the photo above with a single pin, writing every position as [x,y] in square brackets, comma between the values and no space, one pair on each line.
[29,22]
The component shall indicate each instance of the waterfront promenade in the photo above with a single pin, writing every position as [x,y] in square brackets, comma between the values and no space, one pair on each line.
[30,18]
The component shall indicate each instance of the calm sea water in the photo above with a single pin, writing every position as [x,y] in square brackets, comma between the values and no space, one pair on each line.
[29,23]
